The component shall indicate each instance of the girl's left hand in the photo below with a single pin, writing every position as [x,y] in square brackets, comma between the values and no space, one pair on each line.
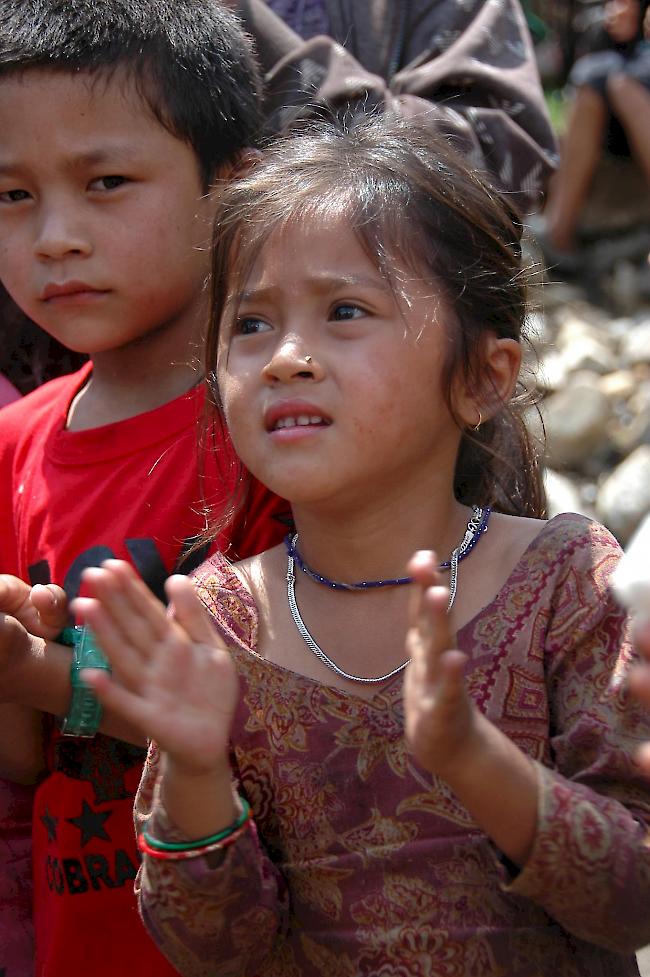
[639,683]
[440,717]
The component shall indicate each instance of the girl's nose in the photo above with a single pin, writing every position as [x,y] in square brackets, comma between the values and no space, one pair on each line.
[59,235]
[290,361]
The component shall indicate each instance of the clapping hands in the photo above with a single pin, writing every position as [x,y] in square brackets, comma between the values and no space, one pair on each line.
[440,717]
[172,679]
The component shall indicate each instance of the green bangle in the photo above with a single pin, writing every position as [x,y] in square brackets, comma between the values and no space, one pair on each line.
[85,713]
[202,842]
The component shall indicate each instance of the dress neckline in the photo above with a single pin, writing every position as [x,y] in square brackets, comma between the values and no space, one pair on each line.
[385,692]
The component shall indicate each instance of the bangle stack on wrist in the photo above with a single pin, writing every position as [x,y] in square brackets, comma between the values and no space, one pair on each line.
[175,850]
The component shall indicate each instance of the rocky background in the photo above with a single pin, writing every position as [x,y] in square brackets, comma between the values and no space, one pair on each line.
[591,363]
[592,373]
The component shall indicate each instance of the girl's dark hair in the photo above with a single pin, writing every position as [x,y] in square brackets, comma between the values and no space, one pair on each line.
[189,59]
[414,203]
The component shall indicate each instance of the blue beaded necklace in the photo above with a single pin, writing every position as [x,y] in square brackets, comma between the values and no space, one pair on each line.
[476,526]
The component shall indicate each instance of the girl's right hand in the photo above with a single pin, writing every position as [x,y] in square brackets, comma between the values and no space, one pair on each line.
[173,678]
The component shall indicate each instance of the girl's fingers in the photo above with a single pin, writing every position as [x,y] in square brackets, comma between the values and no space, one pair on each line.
[451,678]
[136,613]
[642,638]
[190,613]
[643,758]
[423,568]
[639,683]
[126,660]
[431,637]
[121,701]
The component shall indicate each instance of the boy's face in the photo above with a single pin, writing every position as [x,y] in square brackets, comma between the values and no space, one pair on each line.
[104,227]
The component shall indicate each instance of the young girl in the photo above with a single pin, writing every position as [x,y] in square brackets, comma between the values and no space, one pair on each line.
[319,799]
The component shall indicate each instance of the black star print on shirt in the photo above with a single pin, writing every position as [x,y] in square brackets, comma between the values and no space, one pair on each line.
[50,822]
[91,824]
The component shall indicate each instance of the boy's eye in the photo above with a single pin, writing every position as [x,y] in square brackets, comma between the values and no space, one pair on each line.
[13,196]
[249,326]
[345,311]
[107,182]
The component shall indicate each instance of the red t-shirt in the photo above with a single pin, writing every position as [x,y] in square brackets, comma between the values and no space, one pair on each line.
[69,500]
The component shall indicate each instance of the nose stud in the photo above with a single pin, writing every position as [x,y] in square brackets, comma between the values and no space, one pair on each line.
[307,359]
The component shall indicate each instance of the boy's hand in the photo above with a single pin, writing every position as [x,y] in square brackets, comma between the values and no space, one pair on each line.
[14,649]
[42,610]
[440,718]
[177,682]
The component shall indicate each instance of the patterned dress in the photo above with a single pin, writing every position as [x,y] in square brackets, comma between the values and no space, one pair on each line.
[364,864]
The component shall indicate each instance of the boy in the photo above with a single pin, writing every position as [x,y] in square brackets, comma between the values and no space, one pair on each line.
[116,119]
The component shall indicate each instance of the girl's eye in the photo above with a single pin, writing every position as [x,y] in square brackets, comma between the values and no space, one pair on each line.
[13,196]
[250,326]
[345,310]
[107,182]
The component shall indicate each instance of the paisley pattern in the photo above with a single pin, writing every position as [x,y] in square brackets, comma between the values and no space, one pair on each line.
[363,865]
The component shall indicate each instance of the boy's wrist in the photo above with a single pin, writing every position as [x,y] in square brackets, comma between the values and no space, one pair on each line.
[85,712]
[20,657]
[40,677]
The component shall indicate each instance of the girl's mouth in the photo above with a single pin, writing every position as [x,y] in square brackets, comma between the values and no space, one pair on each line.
[290,414]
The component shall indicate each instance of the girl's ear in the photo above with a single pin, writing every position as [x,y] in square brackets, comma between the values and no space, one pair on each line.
[499,369]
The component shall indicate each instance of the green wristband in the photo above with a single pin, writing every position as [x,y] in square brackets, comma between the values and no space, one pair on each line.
[85,712]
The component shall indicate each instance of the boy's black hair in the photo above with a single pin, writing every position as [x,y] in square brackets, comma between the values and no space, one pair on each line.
[189,59]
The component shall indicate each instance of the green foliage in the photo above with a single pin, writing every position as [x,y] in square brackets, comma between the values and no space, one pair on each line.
[557,105]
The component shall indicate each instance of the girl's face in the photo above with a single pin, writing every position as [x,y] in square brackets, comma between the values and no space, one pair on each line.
[331,384]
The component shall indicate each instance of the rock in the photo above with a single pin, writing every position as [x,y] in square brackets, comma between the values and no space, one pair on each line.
[626,437]
[576,425]
[624,497]
[562,495]
[537,328]
[635,345]
[618,385]
[553,372]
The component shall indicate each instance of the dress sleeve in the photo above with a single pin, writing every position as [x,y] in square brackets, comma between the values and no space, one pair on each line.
[212,916]
[590,863]
[467,67]
[220,914]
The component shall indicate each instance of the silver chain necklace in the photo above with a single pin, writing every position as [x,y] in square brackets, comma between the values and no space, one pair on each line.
[316,649]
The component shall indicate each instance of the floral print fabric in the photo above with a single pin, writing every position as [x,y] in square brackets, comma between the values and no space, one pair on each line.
[364,864]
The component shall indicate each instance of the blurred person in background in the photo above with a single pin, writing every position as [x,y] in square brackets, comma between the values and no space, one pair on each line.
[468,65]
[610,112]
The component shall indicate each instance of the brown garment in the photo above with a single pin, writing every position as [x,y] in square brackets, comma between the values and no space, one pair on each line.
[468,64]
[366,865]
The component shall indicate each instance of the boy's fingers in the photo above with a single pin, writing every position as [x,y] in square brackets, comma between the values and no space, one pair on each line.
[14,594]
[51,602]
[189,612]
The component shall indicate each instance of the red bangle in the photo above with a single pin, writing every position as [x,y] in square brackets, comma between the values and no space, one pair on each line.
[172,856]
